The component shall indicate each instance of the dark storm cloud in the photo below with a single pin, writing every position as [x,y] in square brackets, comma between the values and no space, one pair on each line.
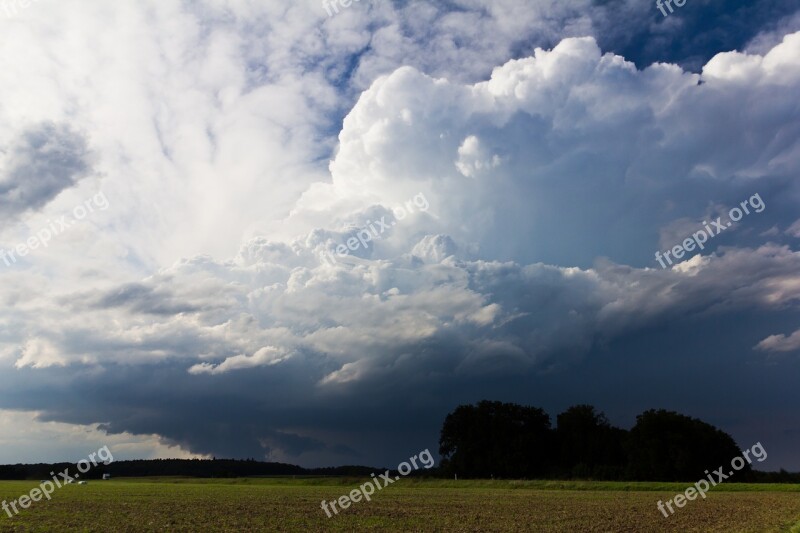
[278,410]
[261,414]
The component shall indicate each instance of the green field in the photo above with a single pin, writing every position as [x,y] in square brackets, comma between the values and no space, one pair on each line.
[279,504]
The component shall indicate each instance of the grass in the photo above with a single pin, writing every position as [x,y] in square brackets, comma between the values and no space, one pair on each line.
[286,504]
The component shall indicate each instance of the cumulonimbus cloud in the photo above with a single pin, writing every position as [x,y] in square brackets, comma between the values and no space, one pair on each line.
[547,188]
[442,273]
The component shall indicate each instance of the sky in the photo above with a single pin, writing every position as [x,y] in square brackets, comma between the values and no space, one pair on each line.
[276,230]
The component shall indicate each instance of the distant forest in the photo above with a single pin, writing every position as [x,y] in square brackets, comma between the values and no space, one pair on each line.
[503,441]
[206,468]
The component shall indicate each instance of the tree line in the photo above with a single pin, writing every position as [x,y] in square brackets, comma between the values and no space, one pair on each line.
[201,468]
[506,440]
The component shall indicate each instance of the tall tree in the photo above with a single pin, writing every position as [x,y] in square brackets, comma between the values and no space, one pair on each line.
[667,446]
[496,439]
[587,444]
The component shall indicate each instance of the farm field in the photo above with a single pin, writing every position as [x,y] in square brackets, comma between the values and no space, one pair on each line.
[282,504]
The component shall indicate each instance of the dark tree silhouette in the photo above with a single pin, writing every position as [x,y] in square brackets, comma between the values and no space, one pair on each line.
[588,447]
[495,439]
[667,446]
[514,441]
